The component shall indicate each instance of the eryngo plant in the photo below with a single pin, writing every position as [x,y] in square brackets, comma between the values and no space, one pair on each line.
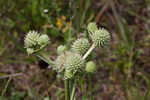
[70,62]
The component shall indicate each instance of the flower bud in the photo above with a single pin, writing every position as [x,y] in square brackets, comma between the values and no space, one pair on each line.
[100,37]
[80,46]
[90,67]
[43,40]
[92,27]
[61,49]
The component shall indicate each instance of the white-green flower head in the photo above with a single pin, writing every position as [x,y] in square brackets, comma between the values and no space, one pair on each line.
[61,49]
[34,41]
[80,46]
[90,67]
[60,61]
[74,63]
[92,27]
[100,37]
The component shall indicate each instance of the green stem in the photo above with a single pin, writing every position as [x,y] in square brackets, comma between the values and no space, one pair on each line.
[45,58]
[73,90]
[90,86]
[67,90]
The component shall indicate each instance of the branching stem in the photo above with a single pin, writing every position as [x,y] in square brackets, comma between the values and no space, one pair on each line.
[89,51]
[45,58]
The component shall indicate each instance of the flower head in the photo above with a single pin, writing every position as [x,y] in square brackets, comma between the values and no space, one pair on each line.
[73,64]
[80,46]
[60,61]
[100,37]
[35,41]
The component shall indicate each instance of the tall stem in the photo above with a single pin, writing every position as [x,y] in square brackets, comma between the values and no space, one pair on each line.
[73,90]
[90,86]
[67,96]
[89,51]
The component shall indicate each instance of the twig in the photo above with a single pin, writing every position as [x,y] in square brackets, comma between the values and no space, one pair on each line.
[11,75]
[5,89]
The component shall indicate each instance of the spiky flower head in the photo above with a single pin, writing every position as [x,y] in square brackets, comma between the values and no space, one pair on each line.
[80,46]
[74,63]
[90,67]
[34,41]
[61,49]
[92,27]
[60,61]
[100,37]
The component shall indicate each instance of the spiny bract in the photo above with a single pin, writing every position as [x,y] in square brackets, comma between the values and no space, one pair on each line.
[34,41]
[92,27]
[73,63]
[80,46]
[100,37]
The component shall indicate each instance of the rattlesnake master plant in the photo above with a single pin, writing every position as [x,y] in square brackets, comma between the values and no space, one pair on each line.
[69,62]
[34,41]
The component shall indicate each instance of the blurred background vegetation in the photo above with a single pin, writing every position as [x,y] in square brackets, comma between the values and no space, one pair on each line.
[123,69]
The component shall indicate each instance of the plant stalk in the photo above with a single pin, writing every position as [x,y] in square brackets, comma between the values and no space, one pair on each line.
[67,96]
[89,51]
[73,90]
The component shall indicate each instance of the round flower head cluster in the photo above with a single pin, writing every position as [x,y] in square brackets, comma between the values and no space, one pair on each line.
[92,27]
[59,62]
[73,63]
[80,46]
[35,41]
[100,37]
